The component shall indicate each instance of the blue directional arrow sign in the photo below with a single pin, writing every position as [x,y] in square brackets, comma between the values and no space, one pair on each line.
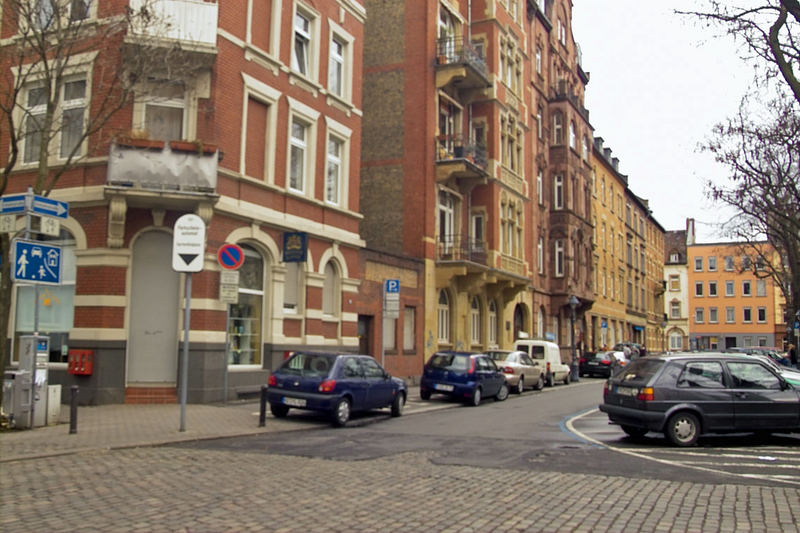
[14,203]
[42,205]
[36,262]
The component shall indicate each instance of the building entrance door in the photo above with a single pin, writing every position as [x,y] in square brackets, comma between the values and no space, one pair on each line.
[153,330]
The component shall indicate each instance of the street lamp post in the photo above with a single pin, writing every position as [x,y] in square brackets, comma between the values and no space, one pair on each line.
[573,303]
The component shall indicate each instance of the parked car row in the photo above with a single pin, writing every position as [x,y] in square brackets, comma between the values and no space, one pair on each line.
[470,377]
[687,395]
[340,384]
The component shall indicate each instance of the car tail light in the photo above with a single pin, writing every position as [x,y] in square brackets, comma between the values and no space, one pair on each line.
[507,370]
[471,366]
[328,385]
[582,360]
[605,362]
[272,381]
[606,388]
[548,366]
[646,394]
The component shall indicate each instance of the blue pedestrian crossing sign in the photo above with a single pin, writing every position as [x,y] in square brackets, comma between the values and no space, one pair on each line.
[36,262]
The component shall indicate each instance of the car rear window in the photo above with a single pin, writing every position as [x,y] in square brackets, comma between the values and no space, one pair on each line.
[537,352]
[498,356]
[307,364]
[449,361]
[641,370]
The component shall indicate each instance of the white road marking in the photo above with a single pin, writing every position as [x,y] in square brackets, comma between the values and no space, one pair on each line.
[569,424]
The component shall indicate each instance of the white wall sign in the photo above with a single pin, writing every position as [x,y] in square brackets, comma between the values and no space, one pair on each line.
[188,244]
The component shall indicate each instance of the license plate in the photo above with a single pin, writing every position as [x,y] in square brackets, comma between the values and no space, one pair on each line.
[442,387]
[294,402]
[592,363]
[627,391]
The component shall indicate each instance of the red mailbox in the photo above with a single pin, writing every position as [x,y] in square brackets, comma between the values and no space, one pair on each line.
[80,362]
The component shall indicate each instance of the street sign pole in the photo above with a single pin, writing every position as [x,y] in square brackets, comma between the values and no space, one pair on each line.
[187,316]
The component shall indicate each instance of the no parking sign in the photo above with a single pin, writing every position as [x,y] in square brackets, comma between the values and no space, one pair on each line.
[230,256]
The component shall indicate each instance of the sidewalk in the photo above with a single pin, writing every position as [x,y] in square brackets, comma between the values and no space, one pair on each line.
[123,426]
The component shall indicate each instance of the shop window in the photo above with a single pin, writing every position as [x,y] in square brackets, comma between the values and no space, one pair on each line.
[246,316]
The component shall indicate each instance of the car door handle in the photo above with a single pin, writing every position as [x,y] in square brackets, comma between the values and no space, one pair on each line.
[741,395]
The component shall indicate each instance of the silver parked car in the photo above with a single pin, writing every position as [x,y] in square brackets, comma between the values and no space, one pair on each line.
[520,370]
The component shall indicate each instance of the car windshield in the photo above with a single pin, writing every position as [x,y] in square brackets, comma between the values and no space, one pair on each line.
[449,361]
[640,370]
[498,356]
[309,364]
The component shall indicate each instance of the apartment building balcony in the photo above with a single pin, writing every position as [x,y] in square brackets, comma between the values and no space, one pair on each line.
[562,92]
[466,260]
[460,159]
[177,169]
[461,65]
[461,248]
[191,24]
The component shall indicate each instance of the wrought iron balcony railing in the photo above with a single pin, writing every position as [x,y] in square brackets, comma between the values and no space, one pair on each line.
[457,147]
[460,248]
[454,50]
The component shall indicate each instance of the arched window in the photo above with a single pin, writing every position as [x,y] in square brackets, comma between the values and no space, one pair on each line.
[330,290]
[246,316]
[444,317]
[492,323]
[475,321]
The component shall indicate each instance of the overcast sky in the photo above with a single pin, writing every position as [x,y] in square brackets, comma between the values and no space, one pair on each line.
[659,82]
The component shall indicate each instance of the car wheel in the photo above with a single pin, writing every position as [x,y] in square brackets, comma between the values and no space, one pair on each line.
[539,383]
[634,431]
[398,403]
[475,398]
[520,385]
[341,412]
[278,410]
[425,394]
[502,394]
[549,380]
[567,378]
[683,429]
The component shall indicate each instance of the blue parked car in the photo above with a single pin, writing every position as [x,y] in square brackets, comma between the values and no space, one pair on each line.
[338,384]
[463,375]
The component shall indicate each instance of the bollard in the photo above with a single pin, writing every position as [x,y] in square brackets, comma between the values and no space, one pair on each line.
[73,410]
[262,414]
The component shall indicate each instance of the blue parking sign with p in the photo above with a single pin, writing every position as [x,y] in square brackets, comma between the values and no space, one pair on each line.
[392,286]
[36,262]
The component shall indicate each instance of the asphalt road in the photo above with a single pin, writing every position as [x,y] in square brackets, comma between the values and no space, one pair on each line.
[556,430]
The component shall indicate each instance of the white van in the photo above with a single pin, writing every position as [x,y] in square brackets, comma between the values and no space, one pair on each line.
[549,355]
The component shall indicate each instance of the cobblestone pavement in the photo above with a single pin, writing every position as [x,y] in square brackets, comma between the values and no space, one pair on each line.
[173,489]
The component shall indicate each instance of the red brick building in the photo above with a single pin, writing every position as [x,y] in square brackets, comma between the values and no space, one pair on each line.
[270,119]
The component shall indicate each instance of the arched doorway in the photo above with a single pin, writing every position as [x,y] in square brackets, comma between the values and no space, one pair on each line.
[153,331]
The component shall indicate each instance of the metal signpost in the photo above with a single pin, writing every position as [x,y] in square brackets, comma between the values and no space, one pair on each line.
[34,262]
[391,308]
[230,257]
[188,253]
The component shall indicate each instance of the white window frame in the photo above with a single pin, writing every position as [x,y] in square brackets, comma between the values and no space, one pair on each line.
[475,321]
[712,289]
[698,263]
[761,310]
[558,191]
[558,257]
[699,315]
[304,35]
[713,316]
[729,263]
[492,319]
[558,128]
[712,263]
[730,289]
[337,33]
[675,309]
[297,285]
[761,288]
[747,288]
[745,312]
[304,114]
[342,134]
[540,186]
[698,289]
[443,315]
[730,315]
[331,289]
